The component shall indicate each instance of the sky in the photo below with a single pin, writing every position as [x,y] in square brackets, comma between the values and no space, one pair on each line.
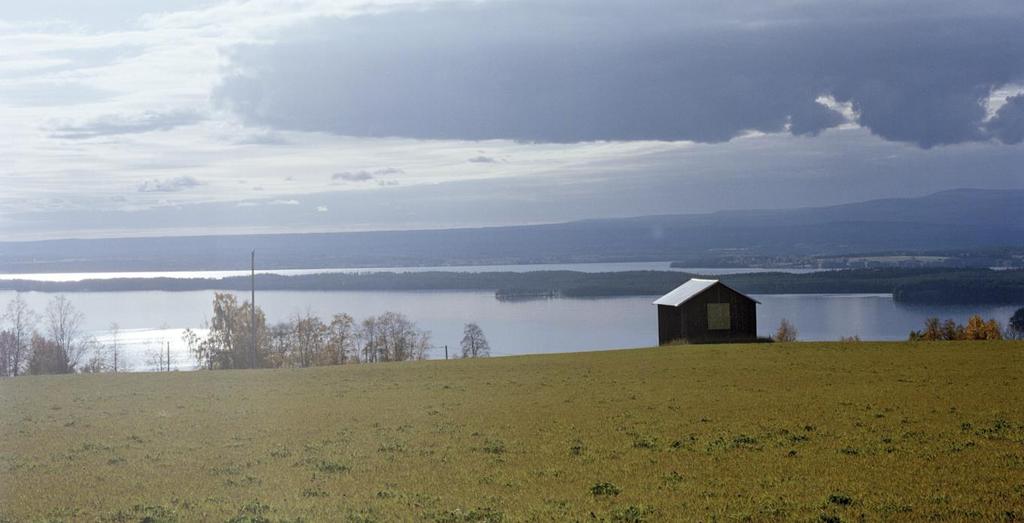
[127,118]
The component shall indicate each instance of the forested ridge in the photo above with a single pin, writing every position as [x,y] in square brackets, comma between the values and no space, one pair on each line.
[907,285]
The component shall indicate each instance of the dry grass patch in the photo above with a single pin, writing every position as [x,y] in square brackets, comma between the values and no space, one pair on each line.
[807,431]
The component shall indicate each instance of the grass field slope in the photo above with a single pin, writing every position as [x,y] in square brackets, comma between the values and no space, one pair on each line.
[806,431]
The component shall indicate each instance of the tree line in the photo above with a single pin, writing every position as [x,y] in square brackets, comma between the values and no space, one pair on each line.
[976,328]
[239,338]
[55,341]
[51,343]
[921,285]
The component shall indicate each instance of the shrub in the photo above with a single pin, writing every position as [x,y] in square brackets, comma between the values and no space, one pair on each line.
[840,499]
[631,514]
[605,489]
[786,331]
[494,447]
[331,467]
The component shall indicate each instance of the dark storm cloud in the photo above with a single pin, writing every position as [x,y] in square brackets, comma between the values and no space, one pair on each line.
[110,125]
[1008,123]
[572,71]
[176,184]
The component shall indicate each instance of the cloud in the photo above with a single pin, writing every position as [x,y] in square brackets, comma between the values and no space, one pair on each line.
[265,138]
[177,184]
[110,125]
[321,208]
[250,203]
[482,159]
[572,71]
[364,175]
[1008,122]
[357,176]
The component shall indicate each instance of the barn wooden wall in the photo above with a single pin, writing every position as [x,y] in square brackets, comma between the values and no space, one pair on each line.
[689,321]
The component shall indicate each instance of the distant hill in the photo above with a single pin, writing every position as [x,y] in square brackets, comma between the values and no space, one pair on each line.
[957,219]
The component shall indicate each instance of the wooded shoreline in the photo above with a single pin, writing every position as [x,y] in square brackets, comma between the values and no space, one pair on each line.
[933,286]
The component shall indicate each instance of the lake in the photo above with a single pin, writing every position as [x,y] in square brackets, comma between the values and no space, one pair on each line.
[581,267]
[150,319]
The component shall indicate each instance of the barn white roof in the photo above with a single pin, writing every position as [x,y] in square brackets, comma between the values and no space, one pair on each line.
[684,292]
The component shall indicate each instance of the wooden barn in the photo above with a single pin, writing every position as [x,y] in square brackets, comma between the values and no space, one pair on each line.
[706,311]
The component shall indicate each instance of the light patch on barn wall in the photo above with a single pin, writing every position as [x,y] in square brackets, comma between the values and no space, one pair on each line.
[718,317]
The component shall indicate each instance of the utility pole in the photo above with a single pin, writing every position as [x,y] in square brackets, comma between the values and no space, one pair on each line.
[168,356]
[252,310]
[446,352]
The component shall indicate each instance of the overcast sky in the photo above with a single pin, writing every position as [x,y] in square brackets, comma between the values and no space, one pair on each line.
[151,118]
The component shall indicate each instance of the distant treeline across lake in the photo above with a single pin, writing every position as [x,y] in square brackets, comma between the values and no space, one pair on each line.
[936,286]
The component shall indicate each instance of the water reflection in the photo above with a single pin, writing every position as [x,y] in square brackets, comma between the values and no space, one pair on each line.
[150,319]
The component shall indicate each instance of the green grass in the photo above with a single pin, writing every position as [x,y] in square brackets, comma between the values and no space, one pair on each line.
[808,431]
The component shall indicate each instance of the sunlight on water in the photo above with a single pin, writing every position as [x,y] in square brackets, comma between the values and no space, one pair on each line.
[580,267]
[151,319]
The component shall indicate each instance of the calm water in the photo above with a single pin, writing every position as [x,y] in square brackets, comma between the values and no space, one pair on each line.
[581,267]
[149,319]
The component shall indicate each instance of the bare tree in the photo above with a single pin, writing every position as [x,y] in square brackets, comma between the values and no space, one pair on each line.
[6,353]
[155,358]
[64,323]
[280,337]
[198,347]
[1015,327]
[786,332]
[309,335]
[474,343]
[369,335]
[22,322]
[341,340]
[98,359]
[393,337]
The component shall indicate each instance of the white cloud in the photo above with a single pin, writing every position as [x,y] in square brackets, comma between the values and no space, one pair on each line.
[117,117]
[176,184]
[844,108]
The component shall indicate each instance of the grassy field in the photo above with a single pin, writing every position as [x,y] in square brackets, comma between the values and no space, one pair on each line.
[808,431]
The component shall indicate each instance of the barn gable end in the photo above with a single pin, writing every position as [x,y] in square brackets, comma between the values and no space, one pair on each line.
[706,311]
